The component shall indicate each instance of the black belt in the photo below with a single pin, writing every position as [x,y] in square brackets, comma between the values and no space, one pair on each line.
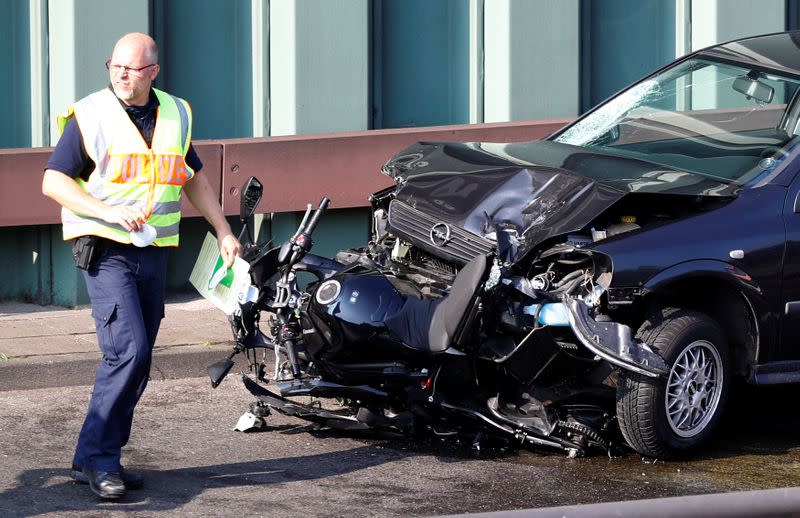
[106,244]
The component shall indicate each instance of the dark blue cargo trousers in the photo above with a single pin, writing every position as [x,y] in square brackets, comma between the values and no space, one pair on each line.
[126,288]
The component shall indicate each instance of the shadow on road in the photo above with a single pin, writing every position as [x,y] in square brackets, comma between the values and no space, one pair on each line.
[42,491]
[757,421]
[756,443]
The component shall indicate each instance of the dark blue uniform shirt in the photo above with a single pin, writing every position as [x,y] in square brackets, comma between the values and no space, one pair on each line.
[70,157]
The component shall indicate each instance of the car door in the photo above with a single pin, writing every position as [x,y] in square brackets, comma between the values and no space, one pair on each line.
[789,348]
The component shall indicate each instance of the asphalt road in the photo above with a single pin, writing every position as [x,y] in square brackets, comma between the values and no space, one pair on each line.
[196,465]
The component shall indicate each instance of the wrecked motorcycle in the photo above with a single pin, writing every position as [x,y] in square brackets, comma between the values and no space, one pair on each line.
[492,352]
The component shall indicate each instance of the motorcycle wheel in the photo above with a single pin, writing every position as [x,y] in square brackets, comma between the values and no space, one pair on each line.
[666,416]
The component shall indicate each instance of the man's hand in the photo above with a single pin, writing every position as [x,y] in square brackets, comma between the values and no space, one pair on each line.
[131,218]
[229,248]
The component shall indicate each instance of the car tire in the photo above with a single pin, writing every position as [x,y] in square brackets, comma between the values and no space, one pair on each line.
[666,416]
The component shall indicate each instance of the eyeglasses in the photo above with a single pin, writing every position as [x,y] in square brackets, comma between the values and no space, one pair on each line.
[118,69]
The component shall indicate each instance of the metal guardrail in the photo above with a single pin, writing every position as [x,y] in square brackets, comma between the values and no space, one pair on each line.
[294,169]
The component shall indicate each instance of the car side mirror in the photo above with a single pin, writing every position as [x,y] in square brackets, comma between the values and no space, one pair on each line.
[752,88]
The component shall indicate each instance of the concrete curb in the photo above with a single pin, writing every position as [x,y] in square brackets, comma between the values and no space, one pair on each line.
[64,370]
[47,347]
[765,503]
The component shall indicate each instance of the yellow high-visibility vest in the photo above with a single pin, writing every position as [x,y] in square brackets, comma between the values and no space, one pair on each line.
[126,171]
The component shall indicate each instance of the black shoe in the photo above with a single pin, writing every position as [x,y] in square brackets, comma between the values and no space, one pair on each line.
[132,480]
[105,484]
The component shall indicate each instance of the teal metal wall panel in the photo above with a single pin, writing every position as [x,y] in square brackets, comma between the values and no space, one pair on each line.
[622,41]
[15,62]
[421,63]
[283,225]
[716,21]
[67,286]
[318,66]
[206,57]
[21,275]
[81,36]
[339,229]
[792,15]
[531,59]
[40,267]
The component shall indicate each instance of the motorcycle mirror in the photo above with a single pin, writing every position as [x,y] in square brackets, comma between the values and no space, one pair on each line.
[217,371]
[251,196]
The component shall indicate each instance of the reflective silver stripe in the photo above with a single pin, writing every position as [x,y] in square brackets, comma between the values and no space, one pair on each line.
[159,207]
[166,231]
[166,207]
[71,217]
[184,120]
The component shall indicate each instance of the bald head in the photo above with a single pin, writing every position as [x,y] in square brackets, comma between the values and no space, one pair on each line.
[139,42]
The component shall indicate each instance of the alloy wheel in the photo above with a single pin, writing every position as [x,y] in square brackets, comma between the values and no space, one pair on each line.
[694,388]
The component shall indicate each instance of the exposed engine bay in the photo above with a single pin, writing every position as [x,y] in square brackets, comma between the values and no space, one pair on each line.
[556,265]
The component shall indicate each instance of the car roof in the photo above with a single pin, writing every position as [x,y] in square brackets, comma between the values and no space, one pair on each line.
[778,51]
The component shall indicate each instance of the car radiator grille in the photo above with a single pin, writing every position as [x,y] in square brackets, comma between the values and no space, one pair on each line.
[415,226]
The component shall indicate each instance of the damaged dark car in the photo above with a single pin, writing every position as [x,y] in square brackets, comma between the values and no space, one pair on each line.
[670,210]
[615,277]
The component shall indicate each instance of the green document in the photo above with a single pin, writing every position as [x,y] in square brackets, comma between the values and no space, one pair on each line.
[224,287]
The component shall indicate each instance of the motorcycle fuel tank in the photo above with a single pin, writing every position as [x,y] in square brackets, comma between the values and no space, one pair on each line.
[348,310]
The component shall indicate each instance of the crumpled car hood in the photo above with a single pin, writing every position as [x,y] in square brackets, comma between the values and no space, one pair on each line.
[524,188]
[465,187]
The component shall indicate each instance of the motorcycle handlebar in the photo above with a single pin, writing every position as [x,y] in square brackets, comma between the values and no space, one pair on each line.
[300,243]
[323,206]
[301,228]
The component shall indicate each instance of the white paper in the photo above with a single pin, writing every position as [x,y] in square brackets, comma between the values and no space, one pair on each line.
[146,235]
[222,287]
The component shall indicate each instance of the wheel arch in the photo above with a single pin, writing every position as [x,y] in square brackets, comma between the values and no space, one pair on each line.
[724,293]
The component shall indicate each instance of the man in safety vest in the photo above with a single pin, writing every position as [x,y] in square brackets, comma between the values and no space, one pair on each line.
[118,170]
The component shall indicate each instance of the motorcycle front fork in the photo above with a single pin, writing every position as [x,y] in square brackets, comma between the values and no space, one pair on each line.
[287,340]
[286,335]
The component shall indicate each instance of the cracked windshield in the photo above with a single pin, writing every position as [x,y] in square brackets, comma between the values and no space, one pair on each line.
[700,119]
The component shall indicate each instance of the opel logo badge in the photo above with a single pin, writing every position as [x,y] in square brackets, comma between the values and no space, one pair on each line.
[440,234]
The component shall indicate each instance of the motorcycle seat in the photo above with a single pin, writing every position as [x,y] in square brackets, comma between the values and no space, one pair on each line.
[454,313]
